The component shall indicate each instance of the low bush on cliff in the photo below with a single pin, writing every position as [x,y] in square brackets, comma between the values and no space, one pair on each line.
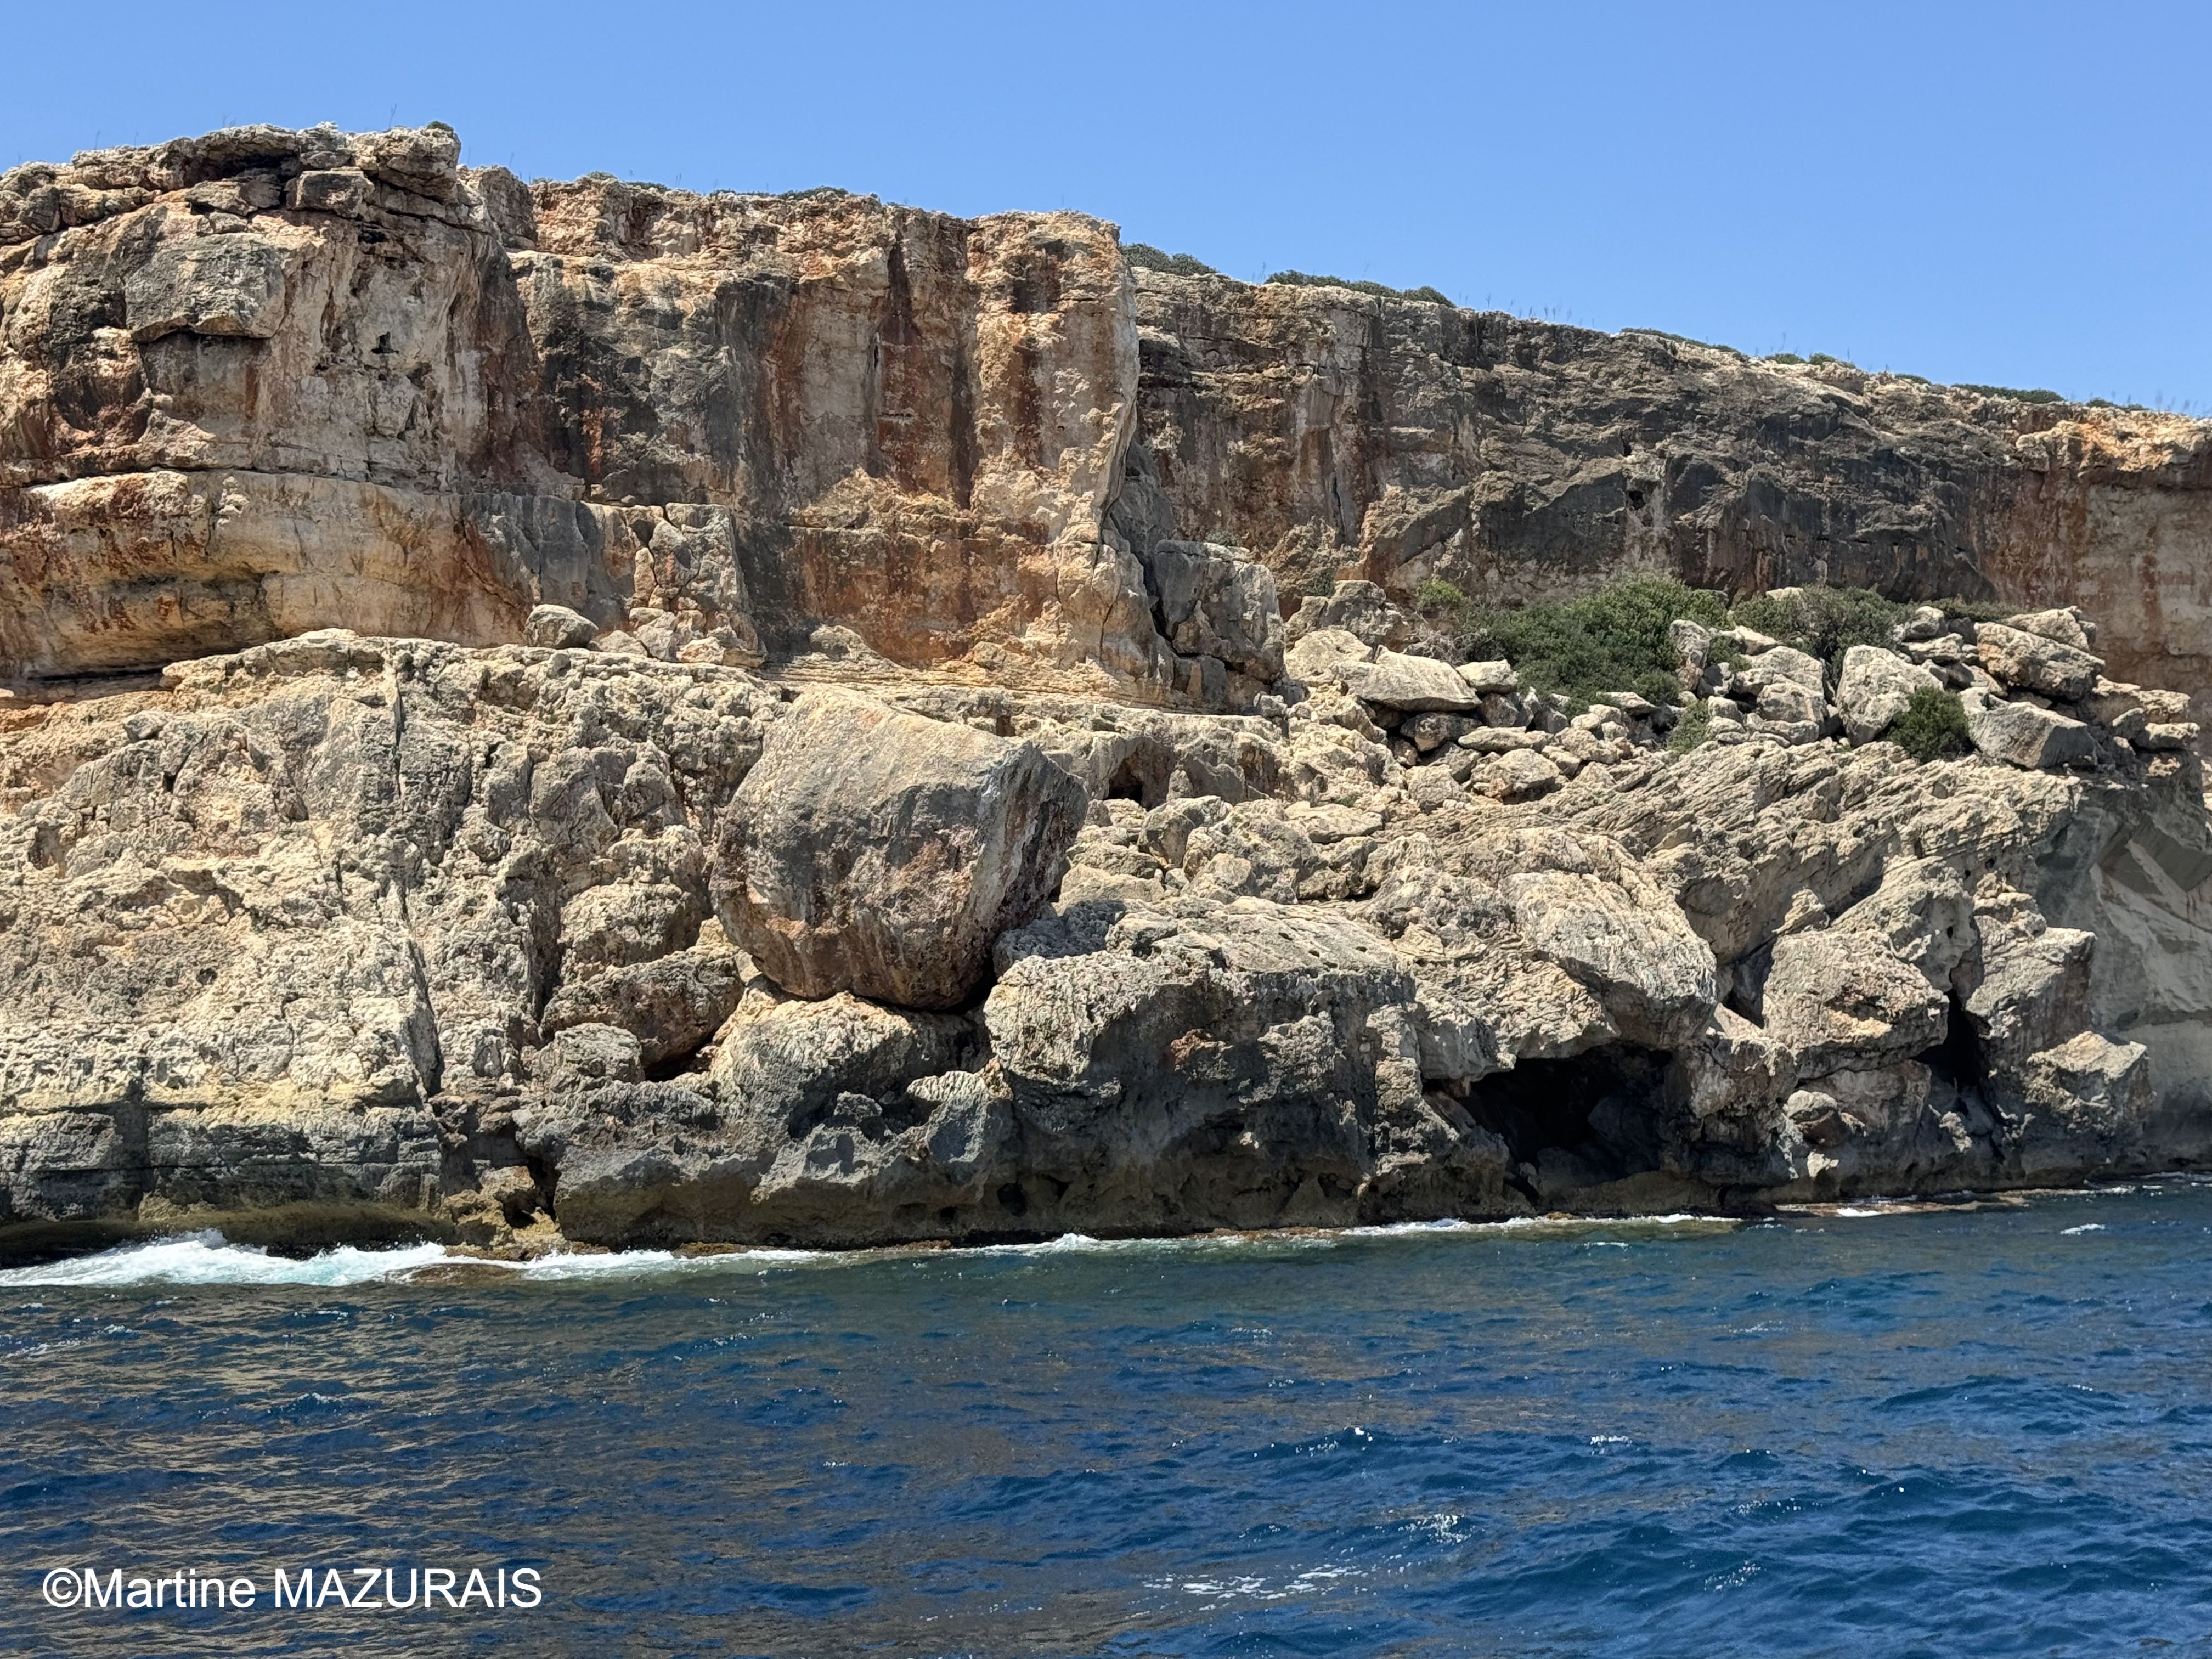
[1619,638]
[1436,598]
[1695,726]
[1826,622]
[1933,726]
[1823,622]
[1182,264]
[1305,279]
[1614,640]
[2028,395]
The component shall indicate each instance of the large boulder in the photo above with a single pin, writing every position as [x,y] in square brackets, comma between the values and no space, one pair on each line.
[1875,687]
[2068,626]
[2024,735]
[1836,1001]
[2036,662]
[1326,656]
[881,853]
[1417,685]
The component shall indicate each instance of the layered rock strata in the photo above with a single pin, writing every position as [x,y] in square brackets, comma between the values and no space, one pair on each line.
[264,381]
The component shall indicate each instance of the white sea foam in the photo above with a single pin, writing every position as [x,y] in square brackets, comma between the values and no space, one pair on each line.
[2086,1227]
[208,1258]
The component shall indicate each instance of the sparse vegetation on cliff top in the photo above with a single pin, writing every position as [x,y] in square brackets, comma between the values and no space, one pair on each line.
[1303,279]
[2031,395]
[1152,259]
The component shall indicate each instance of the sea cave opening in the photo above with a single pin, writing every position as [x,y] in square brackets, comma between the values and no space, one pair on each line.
[1580,1122]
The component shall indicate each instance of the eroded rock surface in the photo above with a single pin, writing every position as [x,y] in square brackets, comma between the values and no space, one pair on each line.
[883,853]
[347,934]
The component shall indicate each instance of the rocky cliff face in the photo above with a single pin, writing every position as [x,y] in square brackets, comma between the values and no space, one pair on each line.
[1343,434]
[264,381]
[346,934]
[589,712]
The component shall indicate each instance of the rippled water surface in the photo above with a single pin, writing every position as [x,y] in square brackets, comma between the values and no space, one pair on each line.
[1972,1430]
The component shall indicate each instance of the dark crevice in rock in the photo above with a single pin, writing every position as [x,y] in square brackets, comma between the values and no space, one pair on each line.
[1960,1060]
[1748,983]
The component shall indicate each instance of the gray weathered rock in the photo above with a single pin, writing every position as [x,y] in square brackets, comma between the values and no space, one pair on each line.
[1322,656]
[880,853]
[1875,687]
[557,626]
[1219,602]
[1414,685]
[2021,734]
[2068,625]
[2036,662]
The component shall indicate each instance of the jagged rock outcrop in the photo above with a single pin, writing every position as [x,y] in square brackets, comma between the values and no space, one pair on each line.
[398,934]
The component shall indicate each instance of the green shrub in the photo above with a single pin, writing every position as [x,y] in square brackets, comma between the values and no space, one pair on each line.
[1614,640]
[1321,585]
[1223,537]
[2034,395]
[1182,264]
[1436,595]
[1306,279]
[1823,622]
[1694,728]
[1819,357]
[1933,726]
[1784,357]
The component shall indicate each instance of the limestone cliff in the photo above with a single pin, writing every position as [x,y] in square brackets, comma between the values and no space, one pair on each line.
[587,711]
[1340,434]
[264,381]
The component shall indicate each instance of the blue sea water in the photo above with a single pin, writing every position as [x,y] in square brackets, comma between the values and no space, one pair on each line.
[1969,1430]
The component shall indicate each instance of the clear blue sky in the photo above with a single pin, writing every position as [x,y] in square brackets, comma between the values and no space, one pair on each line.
[2013,194]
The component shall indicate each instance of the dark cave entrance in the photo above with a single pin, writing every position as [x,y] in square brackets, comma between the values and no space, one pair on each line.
[1591,1118]
[1142,778]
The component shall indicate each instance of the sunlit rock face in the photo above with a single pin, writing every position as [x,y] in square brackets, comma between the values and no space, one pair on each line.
[583,711]
[268,381]
[264,381]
